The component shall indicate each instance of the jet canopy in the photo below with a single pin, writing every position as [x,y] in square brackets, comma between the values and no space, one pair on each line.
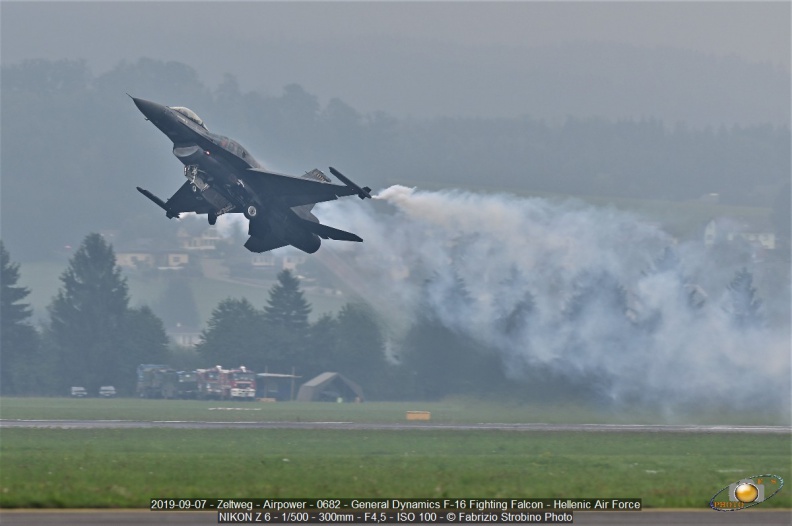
[190,114]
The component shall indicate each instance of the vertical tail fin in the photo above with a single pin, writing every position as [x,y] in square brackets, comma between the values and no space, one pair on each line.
[315,175]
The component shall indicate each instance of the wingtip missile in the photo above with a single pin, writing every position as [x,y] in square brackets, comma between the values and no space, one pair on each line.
[157,201]
[362,193]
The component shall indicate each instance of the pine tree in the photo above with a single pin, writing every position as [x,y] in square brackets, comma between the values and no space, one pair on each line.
[439,356]
[741,301]
[18,339]
[514,323]
[234,336]
[286,306]
[668,261]
[360,348]
[145,341]
[90,331]
[446,297]
[320,355]
[286,320]
[437,362]
[596,321]
[596,292]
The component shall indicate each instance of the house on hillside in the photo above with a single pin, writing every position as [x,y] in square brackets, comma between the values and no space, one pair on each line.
[292,261]
[182,336]
[265,265]
[207,240]
[141,259]
[757,233]
[266,260]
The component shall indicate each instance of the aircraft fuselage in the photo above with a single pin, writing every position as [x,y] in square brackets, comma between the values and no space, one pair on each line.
[217,169]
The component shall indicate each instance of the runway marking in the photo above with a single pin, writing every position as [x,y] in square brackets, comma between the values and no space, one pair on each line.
[234,409]
[527,427]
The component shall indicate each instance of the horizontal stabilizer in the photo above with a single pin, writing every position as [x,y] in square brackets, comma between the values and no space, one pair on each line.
[328,232]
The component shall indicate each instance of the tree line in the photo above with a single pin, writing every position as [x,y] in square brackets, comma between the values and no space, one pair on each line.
[67,128]
[279,338]
[93,337]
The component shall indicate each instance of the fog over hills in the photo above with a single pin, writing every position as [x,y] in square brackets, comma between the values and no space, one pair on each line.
[703,64]
[583,79]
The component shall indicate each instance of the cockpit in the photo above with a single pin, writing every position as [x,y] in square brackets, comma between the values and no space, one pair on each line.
[190,114]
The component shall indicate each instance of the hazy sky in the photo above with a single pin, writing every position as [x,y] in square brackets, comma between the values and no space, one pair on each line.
[103,32]
[355,50]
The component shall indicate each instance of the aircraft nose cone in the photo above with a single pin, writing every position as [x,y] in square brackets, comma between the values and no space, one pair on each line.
[151,110]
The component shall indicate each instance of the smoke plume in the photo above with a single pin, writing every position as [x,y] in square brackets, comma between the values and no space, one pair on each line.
[581,290]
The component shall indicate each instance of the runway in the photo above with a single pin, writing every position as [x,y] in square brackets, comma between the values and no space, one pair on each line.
[589,428]
[645,517]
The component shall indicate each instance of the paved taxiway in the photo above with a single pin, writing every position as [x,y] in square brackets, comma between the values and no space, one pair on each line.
[645,517]
[596,428]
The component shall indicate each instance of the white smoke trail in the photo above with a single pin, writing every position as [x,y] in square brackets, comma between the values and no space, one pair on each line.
[502,247]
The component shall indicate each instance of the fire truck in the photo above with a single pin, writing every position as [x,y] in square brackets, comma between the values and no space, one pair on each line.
[156,381]
[208,381]
[188,384]
[238,384]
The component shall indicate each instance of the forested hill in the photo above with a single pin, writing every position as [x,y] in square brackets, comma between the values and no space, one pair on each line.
[74,147]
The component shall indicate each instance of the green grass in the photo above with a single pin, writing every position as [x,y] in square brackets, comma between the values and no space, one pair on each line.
[455,411]
[126,468]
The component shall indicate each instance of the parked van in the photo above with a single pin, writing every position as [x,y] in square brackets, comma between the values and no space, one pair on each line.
[107,391]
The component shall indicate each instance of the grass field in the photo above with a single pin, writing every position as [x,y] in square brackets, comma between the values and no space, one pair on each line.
[459,411]
[126,468]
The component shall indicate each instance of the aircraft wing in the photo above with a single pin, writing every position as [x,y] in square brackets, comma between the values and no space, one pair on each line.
[185,200]
[295,191]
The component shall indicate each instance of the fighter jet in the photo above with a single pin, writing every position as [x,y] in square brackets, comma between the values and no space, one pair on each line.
[223,178]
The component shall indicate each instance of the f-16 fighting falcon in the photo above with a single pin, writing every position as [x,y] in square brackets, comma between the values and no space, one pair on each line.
[222,177]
